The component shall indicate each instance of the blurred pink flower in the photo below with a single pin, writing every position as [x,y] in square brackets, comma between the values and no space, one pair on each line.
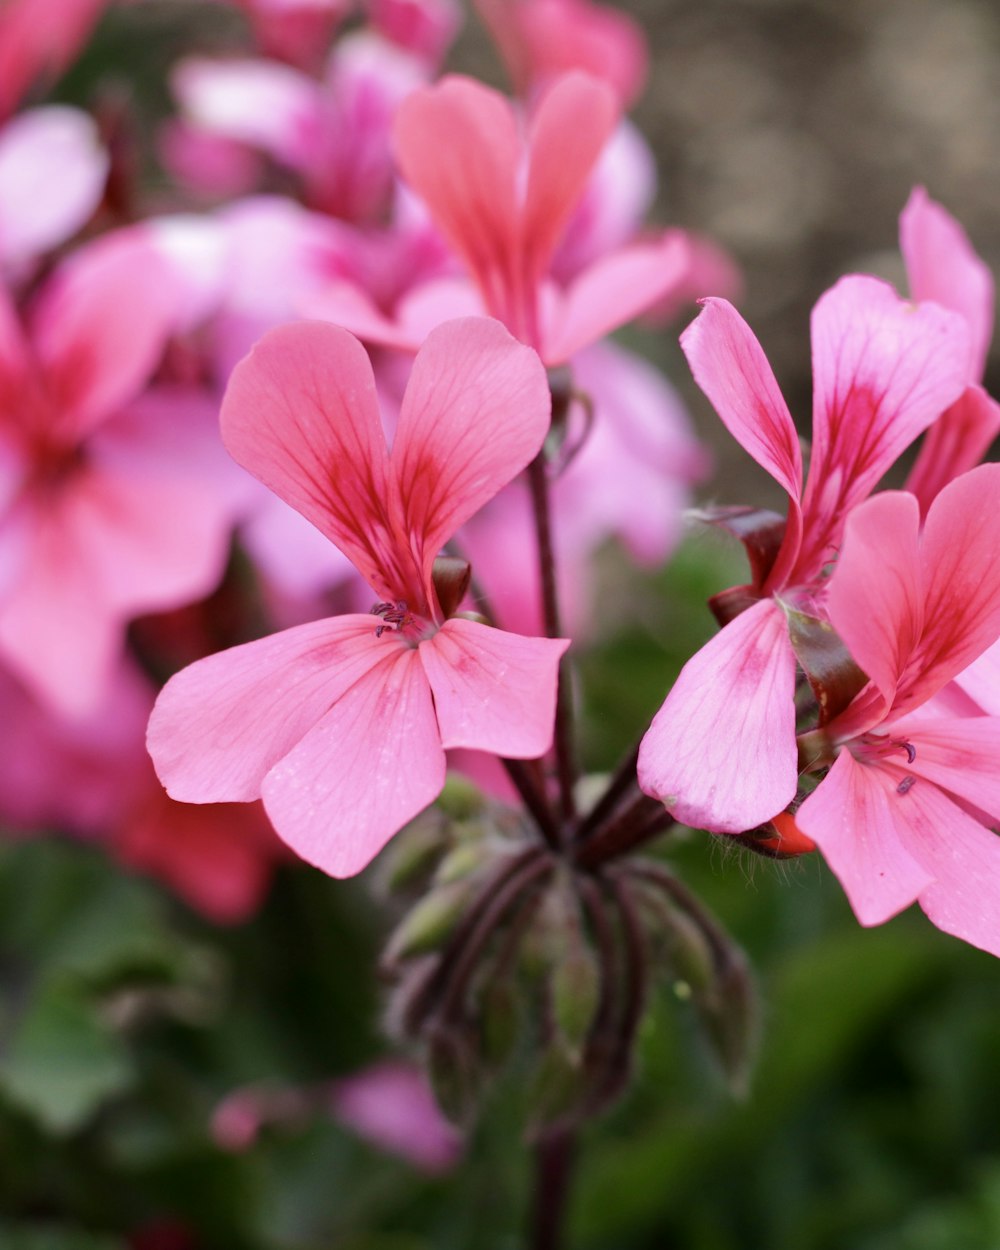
[341,725]
[39,38]
[541,39]
[116,498]
[896,816]
[883,370]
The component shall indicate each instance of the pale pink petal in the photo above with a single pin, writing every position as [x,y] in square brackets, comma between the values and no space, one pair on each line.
[955,443]
[369,766]
[52,175]
[959,754]
[876,594]
[883,371]
[475,413]
[348,305]
[493,691]
[942,266]
[302,415]
[458,147]
[963,858]
[960,555]
[101,324]
[432,303]
[220,725]
[864,827]
[262,103]
[570,126]
[720,753]
[729,365]
[613,291]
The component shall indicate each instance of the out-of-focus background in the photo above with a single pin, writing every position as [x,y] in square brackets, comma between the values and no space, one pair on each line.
[792,133]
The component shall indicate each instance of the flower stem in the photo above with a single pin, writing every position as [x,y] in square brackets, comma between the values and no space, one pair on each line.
[554,1157]
[563,735]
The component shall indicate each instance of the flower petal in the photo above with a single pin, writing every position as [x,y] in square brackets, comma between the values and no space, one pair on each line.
[301,414]
[370,765]
[613,291]
[458,147]
[220,725]
[943,267]
[570,126]
[729,365]
[864,827]
[876,595]
[960,754]
[955,443]
[475,413]
[720,754]
[493,691]
[883,370]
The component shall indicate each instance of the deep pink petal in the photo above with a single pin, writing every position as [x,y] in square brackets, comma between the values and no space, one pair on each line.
[493,691]
[955,443]
[458,147]
[40,37]
[301,413]
[964,858]
[729,365]
[370,765]
[570,126]
[942,266]
[876,594]
[960,754]
[52,175]
[221,724]
[864,827]
[960,555]
[101,324]
[981,680]
[883,371]
[475,413]
[720,754]
[613,291]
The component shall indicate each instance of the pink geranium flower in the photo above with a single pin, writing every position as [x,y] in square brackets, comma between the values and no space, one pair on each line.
[341,725]
[884,370]
[503,201]
[909,807]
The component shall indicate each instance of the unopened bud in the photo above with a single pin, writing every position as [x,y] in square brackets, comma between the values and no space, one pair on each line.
[454,1079]
[430,922]
[413,853]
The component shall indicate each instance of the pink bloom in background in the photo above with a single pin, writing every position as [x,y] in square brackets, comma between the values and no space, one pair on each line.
[333,134]
[943,267]
[117,499]
[52,176]
[883,370]
[908,809]
[39,38]
[341,725]
[541,39]
[389,1104]
[504,201]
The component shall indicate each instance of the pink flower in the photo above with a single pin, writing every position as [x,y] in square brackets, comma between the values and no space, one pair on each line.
[341,725]
[116,499]
[908,808]
[540,39]
[943,267]
[504,204]
[721,751]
